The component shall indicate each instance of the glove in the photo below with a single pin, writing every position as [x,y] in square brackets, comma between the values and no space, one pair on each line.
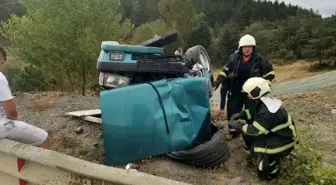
[235,117]
[237,125]
[220,79]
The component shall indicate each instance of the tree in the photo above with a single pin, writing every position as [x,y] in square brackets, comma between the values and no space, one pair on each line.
[268,38]
[148,30]
[319,44]
[228,42]
[241,16]
[181,16]
[32,78]
[8,7]
[63,38]
[136,14]
[200,35]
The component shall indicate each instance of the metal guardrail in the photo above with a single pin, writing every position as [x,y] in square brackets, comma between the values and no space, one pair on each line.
[22,164]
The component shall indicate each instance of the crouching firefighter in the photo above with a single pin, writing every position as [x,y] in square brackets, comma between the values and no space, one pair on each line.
[242,65]
[268,130]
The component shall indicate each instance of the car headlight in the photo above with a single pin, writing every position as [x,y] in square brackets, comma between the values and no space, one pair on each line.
[113,80]
[116,56]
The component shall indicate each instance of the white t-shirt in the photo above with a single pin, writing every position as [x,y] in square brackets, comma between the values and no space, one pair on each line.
[5,93]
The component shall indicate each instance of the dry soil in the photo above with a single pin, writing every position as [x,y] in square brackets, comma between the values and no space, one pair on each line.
[311,111]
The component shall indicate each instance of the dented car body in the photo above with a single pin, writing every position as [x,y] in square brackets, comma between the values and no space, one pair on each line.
[153,103]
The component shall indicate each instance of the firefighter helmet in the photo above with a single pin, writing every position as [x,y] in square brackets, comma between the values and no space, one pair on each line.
[256,87]
[247,40]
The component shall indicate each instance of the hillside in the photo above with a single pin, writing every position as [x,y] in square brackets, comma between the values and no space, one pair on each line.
[53,59]
[284,33]
[81,139]
[217,12]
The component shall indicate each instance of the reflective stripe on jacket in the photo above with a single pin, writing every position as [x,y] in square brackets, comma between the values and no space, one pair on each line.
[273,132]
[260,67]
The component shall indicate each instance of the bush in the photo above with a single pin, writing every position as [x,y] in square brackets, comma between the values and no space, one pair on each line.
[283,54]
[10,72]
[325,65]
[305,167]
[278,61]
[32,78]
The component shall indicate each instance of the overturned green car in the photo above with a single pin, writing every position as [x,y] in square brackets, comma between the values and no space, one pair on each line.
[154,104]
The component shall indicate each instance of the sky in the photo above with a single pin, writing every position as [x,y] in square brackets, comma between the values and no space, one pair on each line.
[325,7]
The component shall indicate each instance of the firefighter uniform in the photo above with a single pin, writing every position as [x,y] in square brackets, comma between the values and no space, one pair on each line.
[236,72]
[268,130]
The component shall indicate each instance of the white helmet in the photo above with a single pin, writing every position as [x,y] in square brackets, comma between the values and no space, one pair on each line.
[247,40]
[256,87]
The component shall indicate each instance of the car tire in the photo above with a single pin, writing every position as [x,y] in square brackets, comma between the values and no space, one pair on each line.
[198,54]
[206,155]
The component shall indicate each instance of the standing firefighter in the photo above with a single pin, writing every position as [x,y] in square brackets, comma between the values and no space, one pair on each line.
[268,130]
[242,65]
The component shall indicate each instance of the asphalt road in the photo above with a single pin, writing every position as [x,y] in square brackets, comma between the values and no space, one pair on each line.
[297,86]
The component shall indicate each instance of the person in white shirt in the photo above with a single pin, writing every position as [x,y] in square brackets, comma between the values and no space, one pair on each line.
[10,127]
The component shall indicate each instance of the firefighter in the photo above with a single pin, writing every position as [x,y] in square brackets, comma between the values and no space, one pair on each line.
[242,65]
[268,130]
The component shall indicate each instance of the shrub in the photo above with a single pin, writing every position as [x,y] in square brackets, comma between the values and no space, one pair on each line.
[305,166]
[32,78]
[283,54]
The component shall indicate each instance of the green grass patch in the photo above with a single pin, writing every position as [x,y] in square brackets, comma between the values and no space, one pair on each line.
[305,167]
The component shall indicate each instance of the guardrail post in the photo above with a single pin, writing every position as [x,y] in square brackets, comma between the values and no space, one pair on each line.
[20,164]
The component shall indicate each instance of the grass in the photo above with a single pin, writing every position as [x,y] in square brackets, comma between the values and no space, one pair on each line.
[305,167]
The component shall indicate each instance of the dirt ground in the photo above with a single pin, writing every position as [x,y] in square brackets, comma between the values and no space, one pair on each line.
[294,71]
[311,111]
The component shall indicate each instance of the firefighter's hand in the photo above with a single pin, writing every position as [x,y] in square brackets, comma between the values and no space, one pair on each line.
[236,116]
[220,79]
[217,84]
[238,125]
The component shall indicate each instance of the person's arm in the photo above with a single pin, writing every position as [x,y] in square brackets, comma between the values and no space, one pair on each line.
[10,109]
[268,72]
[260,126]
[224,75]
[244,115]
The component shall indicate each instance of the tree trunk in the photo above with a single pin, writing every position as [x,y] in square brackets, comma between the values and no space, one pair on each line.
[320,60]
[67,71]
[84,79]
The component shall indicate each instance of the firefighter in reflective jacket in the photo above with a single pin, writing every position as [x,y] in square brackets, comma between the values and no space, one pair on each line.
[268,130]
[242,65]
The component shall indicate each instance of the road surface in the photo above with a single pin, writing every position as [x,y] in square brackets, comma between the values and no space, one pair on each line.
[297,86]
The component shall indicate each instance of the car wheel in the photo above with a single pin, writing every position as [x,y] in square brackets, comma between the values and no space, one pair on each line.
[206,155]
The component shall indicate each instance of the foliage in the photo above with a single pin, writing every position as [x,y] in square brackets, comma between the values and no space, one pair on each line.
[182,16]
[10,72]
[228,41]
[149,30]
[305,167]
[201,35]
[63,38]
[282,31]
[8,7]
[31,78]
